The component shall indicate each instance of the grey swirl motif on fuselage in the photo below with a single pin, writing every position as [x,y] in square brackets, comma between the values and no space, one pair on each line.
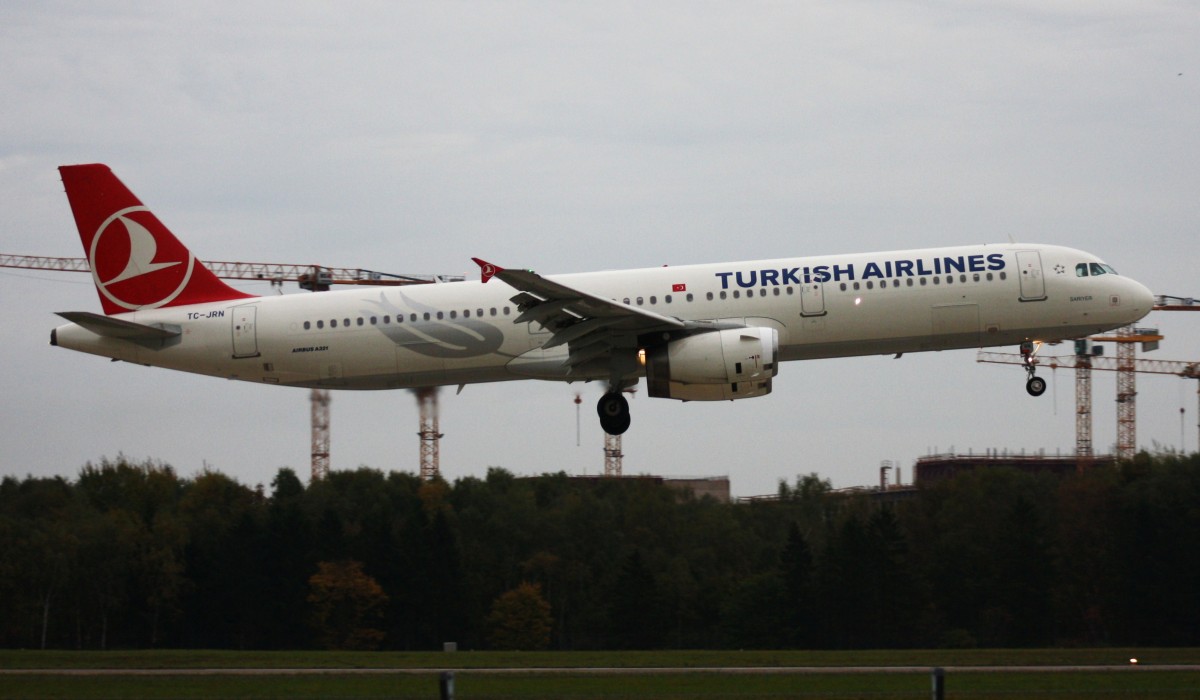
[444,338]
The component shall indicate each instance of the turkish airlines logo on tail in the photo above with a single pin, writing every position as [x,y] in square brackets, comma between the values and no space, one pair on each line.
[136,262]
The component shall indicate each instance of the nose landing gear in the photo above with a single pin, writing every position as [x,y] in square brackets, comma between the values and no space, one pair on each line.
[1036,386]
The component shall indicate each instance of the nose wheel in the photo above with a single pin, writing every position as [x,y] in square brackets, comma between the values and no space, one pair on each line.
[613,410]
[1035,385]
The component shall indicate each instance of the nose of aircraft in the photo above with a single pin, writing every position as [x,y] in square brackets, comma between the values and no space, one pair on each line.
[1142,299]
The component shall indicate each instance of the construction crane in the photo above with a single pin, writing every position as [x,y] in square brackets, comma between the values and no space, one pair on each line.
[1124,364]
[430,457]
[1165,302]
[612,455]
[307,276]
[315,278]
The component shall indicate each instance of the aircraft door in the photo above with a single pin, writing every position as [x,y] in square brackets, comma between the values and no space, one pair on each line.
[1029,266]
[812,299]
[245,331]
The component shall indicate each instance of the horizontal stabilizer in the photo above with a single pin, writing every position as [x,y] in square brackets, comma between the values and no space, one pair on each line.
[110,327]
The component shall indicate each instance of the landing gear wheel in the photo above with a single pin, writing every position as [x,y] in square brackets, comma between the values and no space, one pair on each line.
[1036,386]
[613,410]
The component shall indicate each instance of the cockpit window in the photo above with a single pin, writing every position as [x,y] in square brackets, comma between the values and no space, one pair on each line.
[1093,269]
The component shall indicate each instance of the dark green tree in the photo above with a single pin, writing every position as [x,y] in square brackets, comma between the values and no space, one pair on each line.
[636,609]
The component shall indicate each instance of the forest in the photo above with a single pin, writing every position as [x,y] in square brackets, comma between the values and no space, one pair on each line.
[132,555]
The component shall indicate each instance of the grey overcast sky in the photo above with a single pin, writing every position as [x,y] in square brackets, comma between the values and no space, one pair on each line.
[407,137]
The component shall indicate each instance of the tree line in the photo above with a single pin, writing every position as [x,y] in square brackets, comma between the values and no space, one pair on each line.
[134,555]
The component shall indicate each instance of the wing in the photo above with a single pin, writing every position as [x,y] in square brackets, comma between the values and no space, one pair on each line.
[593,328]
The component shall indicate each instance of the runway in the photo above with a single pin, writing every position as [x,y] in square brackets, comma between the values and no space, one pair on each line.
[610,671]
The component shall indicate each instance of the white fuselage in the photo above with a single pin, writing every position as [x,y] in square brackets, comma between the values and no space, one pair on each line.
[463,332]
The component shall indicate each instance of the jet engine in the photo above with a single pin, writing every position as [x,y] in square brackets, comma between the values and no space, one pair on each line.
[737,363]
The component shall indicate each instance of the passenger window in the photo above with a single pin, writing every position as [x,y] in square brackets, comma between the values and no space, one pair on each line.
[989,277]
[667,299]
[722,295]
[937,280]
[843,286]
[856,286]
[307,325]
[963,278]
[333,323]
[870,285]
[922,281]
[776,291]
[360,320]
[426,315]
[653,300]
[466,313]
[507,311]
[639,301]
[439,315]
[346,321]
[908,282]
[737,294]
[689,296]
[493,311]
[320,324]
[789,289]
[1003,275]
[626,300]
[374,321]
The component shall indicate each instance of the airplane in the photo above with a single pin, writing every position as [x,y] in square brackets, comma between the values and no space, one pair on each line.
[696,332]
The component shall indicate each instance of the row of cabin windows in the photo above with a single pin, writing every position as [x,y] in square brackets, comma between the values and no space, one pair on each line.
[883,284]
[667,299]
[762,292]
[736,294]
[412,318]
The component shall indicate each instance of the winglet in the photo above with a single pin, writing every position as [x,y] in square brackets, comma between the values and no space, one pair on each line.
[487,270]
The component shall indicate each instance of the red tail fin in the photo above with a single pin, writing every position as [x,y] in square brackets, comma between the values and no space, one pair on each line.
[137,263]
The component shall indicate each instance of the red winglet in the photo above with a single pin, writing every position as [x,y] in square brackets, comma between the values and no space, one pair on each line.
[487,270]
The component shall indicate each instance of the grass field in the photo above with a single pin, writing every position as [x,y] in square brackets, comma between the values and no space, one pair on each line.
[783,674]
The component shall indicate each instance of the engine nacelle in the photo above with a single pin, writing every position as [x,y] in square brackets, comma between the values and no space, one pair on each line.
[737,363]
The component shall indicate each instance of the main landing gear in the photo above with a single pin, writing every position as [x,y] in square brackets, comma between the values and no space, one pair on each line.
[613,409]
[1036,386]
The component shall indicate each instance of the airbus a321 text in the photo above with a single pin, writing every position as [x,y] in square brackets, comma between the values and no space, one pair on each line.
[696,332]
